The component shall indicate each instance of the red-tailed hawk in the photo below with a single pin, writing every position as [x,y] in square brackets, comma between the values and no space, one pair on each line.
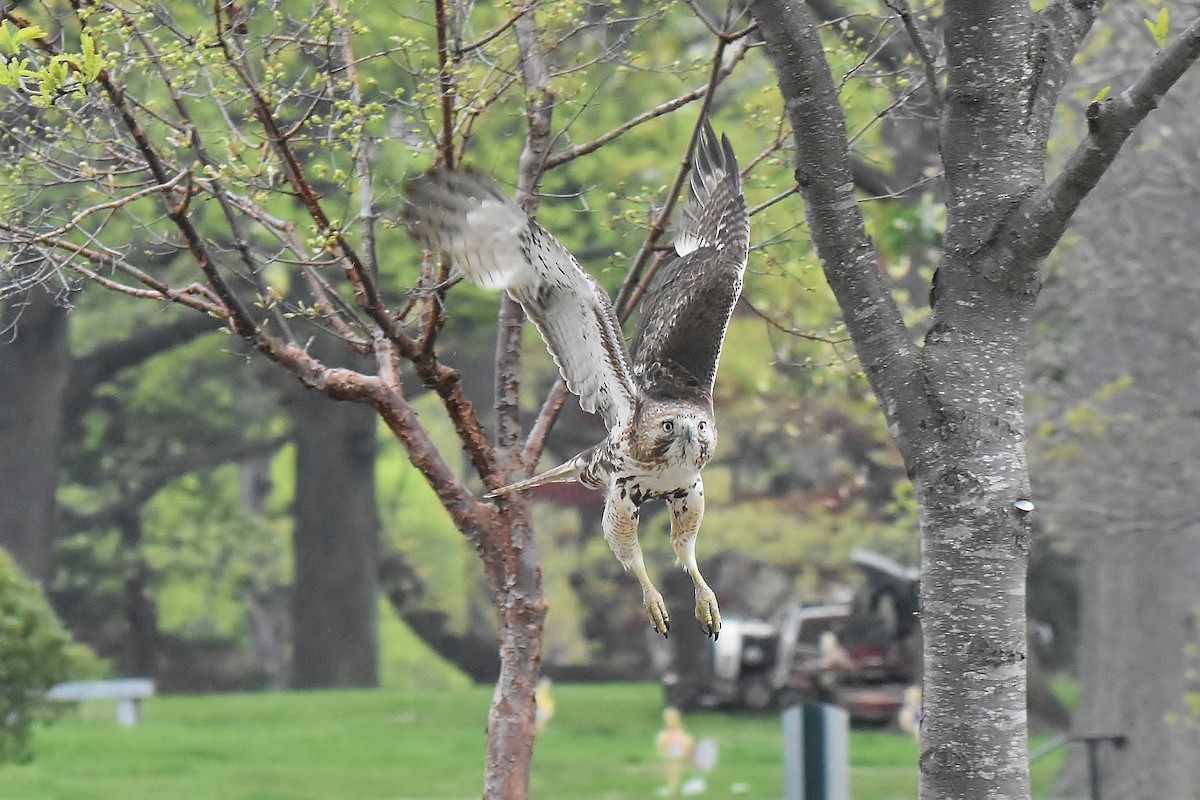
[657,404]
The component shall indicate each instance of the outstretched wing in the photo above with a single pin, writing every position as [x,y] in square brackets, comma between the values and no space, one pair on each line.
[494,244]
[678,343]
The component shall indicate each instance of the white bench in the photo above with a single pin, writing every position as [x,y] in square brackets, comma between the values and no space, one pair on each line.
[128,692]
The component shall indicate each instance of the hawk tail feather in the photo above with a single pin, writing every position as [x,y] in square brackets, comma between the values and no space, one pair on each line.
[563,473]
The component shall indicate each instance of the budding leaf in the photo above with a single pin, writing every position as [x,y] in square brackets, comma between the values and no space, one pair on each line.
[1159,28]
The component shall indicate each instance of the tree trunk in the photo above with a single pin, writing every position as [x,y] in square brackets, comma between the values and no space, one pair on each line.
[141,613]
[955,405]
[975,545]
[35,362]
[522,619]
[335,545]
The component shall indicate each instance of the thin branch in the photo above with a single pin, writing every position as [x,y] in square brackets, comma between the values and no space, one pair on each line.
[790,331]
[539,112]
[216,187]
[362,154]
[890,54]
[903,11]
[242,322]
[445,147]
[1060,29]
[763,206]
[195,296]
[487,39]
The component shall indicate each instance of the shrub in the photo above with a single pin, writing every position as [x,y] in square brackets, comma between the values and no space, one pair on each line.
[35,653]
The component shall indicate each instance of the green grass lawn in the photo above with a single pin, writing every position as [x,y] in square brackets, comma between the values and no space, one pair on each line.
[383,745]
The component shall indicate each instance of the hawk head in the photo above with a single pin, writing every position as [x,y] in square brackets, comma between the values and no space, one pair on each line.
[674,433]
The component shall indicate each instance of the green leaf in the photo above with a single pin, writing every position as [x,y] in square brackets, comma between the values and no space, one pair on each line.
[11,40]
[1159,28]
[1103,93]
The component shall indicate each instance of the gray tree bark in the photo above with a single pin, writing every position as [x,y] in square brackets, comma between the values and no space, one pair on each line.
[35,363]
[955,403]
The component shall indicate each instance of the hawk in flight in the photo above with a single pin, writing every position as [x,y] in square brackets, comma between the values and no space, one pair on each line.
[656,397]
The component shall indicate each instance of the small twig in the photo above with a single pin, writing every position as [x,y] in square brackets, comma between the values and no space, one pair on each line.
[365,290]
[790,331]
[362,155]
[467,48]
[763,206]
[883,112]
[188,296]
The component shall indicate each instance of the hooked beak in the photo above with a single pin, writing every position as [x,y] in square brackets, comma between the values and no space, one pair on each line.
[689,433]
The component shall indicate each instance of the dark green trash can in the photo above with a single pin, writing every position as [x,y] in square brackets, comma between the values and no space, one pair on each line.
[816,753]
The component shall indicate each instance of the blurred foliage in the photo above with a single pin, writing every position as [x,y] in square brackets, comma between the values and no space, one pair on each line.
[35,654]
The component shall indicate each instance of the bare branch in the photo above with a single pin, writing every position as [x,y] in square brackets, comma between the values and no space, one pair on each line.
[790,331]
[216,188]
[194,296]
[903,11]
[362,155]
[1060,30]
[853,28]
[539,112]
[240,318]
[495,34]
[445,85]
[1035,226]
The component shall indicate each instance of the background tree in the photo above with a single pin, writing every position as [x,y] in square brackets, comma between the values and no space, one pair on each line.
[1115,371]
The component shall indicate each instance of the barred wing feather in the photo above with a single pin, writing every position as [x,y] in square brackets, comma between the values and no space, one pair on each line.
[687,309]
[493,243]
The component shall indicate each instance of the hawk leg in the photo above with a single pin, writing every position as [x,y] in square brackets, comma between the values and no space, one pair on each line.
[621,533]
[686,513]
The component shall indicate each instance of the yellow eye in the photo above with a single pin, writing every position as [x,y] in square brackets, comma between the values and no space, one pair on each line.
[668,426]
